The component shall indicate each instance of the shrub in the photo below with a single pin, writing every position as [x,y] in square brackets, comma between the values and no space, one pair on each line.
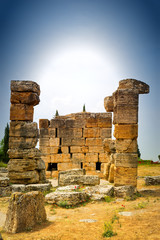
[108,230]
[108,199]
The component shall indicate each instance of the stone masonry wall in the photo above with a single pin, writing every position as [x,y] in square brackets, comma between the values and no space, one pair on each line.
[75,141]
[124,105]
[25,165]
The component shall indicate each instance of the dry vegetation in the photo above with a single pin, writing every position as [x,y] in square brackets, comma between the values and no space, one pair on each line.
[63,224]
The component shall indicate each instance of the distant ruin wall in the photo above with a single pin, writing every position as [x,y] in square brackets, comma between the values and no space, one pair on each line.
[75,141]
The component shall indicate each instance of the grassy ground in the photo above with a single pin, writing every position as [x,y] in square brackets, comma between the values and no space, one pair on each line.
[64,224]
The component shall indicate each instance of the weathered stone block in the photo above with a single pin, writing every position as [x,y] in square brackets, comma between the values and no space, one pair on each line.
[70,197]
[105,122]
[125,113]
[60,158]
[24,153]
[125,176]
[5,191]
[25,86]
[126,131]
[25,211]
[20,165]
[24,177]
[126,160]
[44,142]
[75,149]
[70,123]
[141,87]
[54,142]
[96,149]
[105,133]
[64,150]
[91,157]
[89,166]
[111,173]
[91,122]
[69,132]
[43,123]
[104,157]
[94,141]
[91,132]
[57,123]
[109,145]
[63,166]
[45,150]
[108,103]
[44,132]
[125,96]
[78,157]
[29,98]
[40,164]
[21,112]
[23,129]
[52,132]
[22,142]
[126,145]
[54,150]
[124,191]
[73,141]
[152,180]
[4,181]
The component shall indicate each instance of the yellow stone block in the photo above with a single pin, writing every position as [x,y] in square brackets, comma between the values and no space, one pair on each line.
[126,131]
[125,176]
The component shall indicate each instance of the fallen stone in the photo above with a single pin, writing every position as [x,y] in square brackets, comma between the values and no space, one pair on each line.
[126,214]
[67,198]
[88,220]
[25,211]
[79,180]
[67,188]
[4,181]
[30,187]
[152,180]
[124,191]
[5,191]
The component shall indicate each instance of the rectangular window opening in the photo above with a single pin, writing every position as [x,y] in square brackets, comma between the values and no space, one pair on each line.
[52,167]
[98,166]
[81,165]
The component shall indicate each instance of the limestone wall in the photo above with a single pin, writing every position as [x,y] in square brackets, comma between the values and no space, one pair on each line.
[75,141]
[124,105]
[25,165]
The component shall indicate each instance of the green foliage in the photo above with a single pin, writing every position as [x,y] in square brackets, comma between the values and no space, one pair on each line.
[114,218]
[84,108]
[57,113]
[141,205]
[138,152]
[108,230]
[63,204]
[4,145]
[2,164]
[108,199]
[159,157]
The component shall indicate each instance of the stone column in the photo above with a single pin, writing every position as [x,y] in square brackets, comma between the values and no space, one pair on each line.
[124,104]
[25,165]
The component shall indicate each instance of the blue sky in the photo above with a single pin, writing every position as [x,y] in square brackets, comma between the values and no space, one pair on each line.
[78,50]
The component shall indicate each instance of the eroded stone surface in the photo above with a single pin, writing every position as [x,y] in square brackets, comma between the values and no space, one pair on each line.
[25,211]
[152,180]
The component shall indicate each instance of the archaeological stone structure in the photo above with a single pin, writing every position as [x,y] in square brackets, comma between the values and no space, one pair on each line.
[25,165]
[75,141]
[124,105]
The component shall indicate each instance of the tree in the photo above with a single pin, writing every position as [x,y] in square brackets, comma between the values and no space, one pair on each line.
[138,152]
[56,114]
[159,157]
[84,108]
[1,150]
[6,144]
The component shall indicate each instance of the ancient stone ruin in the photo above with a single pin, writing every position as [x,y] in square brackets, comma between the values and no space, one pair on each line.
[25,211]
[124,105]
[25,165]
[75,141]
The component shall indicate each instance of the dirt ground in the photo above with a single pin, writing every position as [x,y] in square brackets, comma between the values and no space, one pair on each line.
[65,224]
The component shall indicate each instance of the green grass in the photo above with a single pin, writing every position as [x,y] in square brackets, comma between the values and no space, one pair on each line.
[108,199]
[108,230]
[2,164]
